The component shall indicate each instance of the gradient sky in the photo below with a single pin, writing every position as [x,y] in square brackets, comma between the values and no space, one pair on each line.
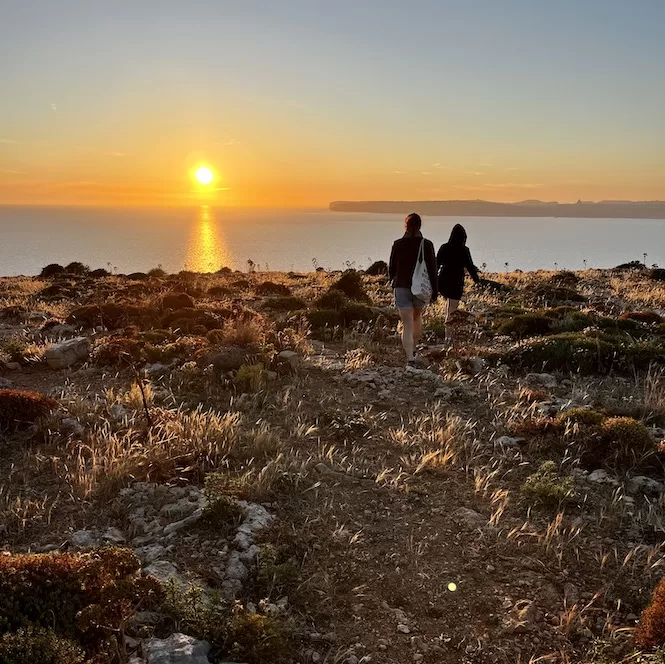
[300,102]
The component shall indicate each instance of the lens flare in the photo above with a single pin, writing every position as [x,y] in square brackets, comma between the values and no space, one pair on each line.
[452,587]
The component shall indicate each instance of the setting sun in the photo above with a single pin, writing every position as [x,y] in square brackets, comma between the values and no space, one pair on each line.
[204,175]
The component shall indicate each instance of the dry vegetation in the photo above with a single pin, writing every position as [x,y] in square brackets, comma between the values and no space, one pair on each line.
[503,504]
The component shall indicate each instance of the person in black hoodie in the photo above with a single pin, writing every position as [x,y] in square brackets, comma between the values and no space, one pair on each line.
[402,264]
[453,258]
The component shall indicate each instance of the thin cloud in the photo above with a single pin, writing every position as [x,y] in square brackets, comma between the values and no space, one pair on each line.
[425,173]
[232,141]
[473,173]
[513,169]
[7,172]
[398,172]
[513,185]
[7,141]
[54,107]
[115,154]
[222,189]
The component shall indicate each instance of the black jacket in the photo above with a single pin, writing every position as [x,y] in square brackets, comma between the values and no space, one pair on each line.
[453,258]
[403,259]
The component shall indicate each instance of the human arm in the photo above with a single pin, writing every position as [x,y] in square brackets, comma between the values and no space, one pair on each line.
[392,265]
[431,261]
[472,269]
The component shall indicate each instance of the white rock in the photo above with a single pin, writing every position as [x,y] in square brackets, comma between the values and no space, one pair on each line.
[404,629]
[164,571]
[506,442]
[642,484]
[541,380]
[470,517]
[187,521]
[84,539]
[601,477]
[177,649]
[113,535]
[150,552]
[291,357]
[63,355]
[72,427]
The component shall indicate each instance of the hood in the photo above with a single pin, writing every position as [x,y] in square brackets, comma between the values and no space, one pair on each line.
[457,235]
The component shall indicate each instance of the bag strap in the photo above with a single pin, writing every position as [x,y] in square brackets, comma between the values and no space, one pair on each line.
[421,251]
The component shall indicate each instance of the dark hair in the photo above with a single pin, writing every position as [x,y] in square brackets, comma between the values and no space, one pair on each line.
[412,223]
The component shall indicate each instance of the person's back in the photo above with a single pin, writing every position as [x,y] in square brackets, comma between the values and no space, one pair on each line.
[453,258]
[403,259]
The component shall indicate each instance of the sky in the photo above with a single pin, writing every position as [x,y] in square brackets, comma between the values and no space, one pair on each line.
[301,102]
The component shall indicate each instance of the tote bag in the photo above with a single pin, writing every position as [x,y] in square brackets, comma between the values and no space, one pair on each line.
[421,286]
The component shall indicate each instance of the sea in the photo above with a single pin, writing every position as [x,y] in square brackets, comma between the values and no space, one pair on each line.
[205,239]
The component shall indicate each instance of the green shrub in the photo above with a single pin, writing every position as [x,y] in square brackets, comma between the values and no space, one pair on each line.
[278,572]
[648,317]
[157,272]
[549,293]
[333,299]
[286,303]
[271,288]
[38,646]
[377,268]
[351,284]
[83,597]
[221,512]
[320,319]
[562,352]
[120,353]
[19,408]
[580,416]
[77,268]
[113,316]
[354,312]
[51,270]
[526,325]
[546,486]
[250,378]
[624,441]
[220,291]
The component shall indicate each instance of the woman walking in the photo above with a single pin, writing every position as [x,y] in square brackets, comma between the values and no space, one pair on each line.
[412,255]
[453,258]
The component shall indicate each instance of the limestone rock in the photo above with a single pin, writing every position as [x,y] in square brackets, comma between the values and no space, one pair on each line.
[177,649]
[469,517]
[643,484]
[84,539]
[541,380]
[601,477]
[67,353]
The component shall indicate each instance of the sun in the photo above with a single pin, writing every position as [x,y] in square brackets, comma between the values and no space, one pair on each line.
[204,175]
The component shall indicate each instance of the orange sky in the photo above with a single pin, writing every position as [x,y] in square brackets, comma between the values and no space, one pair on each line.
[300,104]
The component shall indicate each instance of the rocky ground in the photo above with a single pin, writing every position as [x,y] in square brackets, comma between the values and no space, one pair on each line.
[300,496]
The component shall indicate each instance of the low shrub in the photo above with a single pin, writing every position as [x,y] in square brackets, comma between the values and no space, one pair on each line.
[250,378]
[271,288]
[333,299]
[549,294]
[220,291]
[377,268]
[615,325]
[38,646]
[623,441]
[354,312]
[351,284]
[177,301]
[285,303]
[657,274]
[120,353]
[77,268]
[221,512]
[19,408]
[99,273]
[320,319]
[580,416]
[83,597]
[526,325]
[157,272]
[651,629]
[648,317]
[51,270]
[547,486]
[565,278]
[113,316]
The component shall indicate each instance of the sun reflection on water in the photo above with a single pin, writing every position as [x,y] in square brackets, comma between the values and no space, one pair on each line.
[207,250]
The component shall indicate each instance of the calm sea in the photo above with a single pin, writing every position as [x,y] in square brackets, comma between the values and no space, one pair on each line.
[206,239]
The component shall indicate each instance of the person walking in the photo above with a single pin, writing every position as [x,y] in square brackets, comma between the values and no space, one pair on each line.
[452,259]
[412,271]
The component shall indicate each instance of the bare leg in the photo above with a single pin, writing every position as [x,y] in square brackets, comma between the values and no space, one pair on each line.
[406,315]
[451,308]
[417,325]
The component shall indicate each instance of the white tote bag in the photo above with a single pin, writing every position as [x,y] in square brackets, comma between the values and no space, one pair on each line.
[421,286]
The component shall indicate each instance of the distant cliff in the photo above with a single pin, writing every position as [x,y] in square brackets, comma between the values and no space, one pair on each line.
[602,209]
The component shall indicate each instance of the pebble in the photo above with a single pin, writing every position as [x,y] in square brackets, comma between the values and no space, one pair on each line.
[404,629]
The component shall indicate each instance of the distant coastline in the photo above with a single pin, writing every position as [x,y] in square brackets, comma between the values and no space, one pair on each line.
[532,208]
